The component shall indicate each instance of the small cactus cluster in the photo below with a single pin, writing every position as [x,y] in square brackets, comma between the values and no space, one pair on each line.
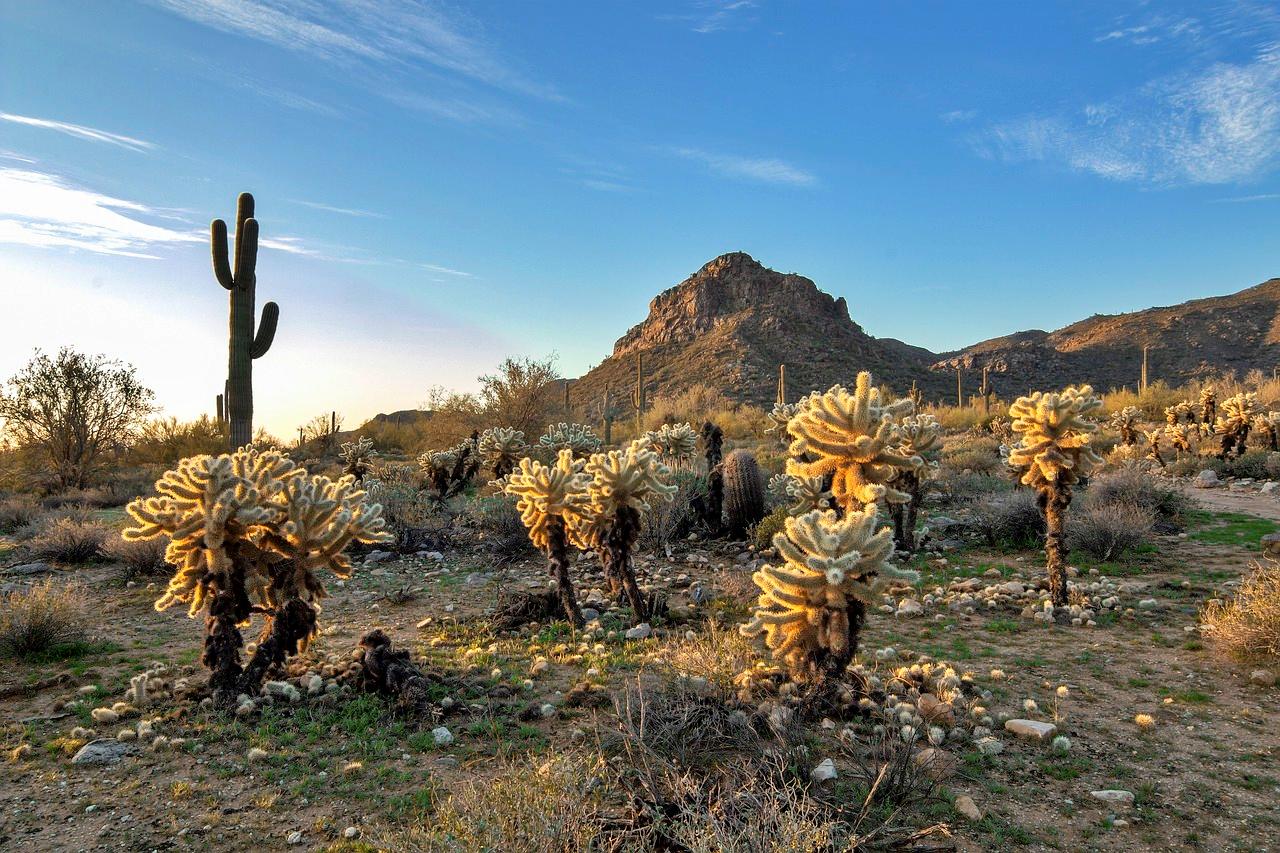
[593,504]
[1234,422]
[1180,412]
[804,493]
[357,457]
[449,471]
[1180,436]
[579,439]
[1268,423]
[1126,422]
[919,437]
[250,532]
[810,609]
[502,448]
[675,444]
[850,437]
[1153,445]
[1208,405]
[1053,453]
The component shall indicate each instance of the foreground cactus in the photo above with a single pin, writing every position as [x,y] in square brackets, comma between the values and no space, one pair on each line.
[743,492]
[551,498]
[919,437]
[623,486]
[502,448]
[1232,426]
[1125,422]
[1053,453]
[1268,423]
[811,609]
[244,346]
[851,438]
[578,438]
[357,457]
[248,533]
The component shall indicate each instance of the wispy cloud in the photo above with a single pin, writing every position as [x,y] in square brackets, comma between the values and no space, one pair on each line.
[345,211]
[1218,125]
[958,116]
[391,33]
[80,131]
[711,16]
[43,210]
[446,270]
[1248,198]
[762,169]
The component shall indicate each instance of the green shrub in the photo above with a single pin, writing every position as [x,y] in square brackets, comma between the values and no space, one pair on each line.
[1256,464]
[771,525]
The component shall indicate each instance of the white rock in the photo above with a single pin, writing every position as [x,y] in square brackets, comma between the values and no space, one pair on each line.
[1263,678]
[442,736]
[1033,729]
[825,770]
[639,632]
[295,837]
[968,808]
[1115,797]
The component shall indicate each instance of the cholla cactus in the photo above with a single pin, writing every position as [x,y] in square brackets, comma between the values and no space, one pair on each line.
[1268,423]
[1126,422]
[850,436]
[780,416]
[919,437]
[622,486]
[357,457]
[449,471]
[675,444]
[806,494]
[248,532]
[1153,446]
[1053,454]
[1179,412]
[812,608]
[578,438]
[1208,405]
[1232,426]
[501,448]
[776,488]
[1179,436]
[551,499]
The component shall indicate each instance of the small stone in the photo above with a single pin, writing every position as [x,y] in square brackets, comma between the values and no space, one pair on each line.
[967,808]
[1263,678]
[103,751]
[295,837]
[909,607]
[1271,543]
[1148,604]
[639,632]
[29,569]
[825,771]
[1206,479]
[1114,797]
[442,736]
[378,556]
[350,832]
[547,710]
[1032,729]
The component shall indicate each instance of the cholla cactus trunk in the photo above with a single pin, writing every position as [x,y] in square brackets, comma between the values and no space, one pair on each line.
[390,672]
[223,642]
[905,515]
[287,632]
[557,551]
[713,445]
[1273,436]
[1208,406]
[616,546]
[1053,501]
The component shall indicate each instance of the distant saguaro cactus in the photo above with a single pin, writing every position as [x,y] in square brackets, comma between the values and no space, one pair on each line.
[637,394]
[743,492]
[240,280]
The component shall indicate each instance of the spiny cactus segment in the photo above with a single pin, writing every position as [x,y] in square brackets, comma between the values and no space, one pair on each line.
[501,448]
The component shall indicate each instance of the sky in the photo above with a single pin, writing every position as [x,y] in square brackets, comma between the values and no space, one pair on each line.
[440,186]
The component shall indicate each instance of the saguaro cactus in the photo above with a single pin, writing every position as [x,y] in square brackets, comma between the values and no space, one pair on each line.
[240,280]
[637,394]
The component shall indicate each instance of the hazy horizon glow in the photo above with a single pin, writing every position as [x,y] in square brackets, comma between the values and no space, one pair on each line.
[439,189]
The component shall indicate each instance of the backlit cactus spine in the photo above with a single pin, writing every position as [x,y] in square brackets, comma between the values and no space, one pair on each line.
[240,280]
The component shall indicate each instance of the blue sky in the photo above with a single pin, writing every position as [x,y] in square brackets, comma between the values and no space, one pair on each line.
[440,186]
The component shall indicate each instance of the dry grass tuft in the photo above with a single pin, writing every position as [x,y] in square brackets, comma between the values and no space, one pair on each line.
[68,540]
[1248,625]
[140,558]
[1107,531]
[16,513]
[38,619]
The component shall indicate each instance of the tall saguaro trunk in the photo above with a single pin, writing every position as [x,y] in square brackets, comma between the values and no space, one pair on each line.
[239,277]
[1054,501]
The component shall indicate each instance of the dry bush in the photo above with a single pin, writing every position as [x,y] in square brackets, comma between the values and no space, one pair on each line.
[1152,401]
[717,654]
[501,530]
[1248,625]
[1012,519]
[140,558]
[962,487]
[1109,530]
[65,539]
[667,522]
[16,513]
[1132,486]
[552,808]
[38,619]
[676,723]
[977,453]
[954,418]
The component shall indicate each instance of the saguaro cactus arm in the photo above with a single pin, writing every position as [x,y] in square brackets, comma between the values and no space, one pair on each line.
[266,330]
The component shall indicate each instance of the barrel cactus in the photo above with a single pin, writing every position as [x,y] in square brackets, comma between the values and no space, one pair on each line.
[851,437]
[811,608]
[743,492]
[249,533]
[1054,452]
[502,448]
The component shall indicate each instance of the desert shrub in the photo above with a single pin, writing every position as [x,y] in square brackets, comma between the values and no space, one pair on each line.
[667,522]
[498,522]
[1108,530]
[551,808]
[1011,520]
[16,513]
[404,507]
[979,454]
[717,654]
[768,527]
[43,617]
[163,441]
[1190,465]
[961,487]
[689,727]
[140,558]
[1248,625]
[1256,464]
[1130,485]
[67,540]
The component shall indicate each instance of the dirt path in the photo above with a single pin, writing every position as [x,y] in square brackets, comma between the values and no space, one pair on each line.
[1248,502]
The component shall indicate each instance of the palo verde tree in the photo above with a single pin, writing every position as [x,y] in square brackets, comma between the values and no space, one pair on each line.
[249,532]
[1053,453]
[72,409]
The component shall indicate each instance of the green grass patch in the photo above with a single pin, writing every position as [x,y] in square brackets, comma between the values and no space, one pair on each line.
[1229,528]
